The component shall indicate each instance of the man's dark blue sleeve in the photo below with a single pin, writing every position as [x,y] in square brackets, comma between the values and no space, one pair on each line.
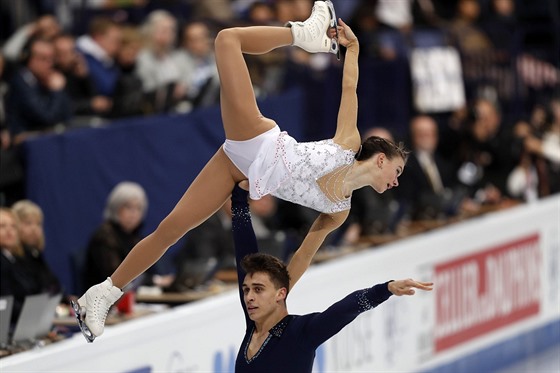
[323,325]
[244,238]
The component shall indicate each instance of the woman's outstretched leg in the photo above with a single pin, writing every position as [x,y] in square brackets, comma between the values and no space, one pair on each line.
[204,197]
[241,117]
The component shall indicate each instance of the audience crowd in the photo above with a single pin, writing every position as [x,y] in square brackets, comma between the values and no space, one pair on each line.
[68,65]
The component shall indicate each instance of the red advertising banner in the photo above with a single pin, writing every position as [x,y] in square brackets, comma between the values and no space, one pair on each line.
[486,291]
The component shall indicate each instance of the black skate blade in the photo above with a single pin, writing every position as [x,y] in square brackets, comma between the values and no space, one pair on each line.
[335,48]
[88,335]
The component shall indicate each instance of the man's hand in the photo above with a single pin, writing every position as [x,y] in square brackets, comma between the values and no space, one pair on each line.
[406,287]
[56,81]
[101,104]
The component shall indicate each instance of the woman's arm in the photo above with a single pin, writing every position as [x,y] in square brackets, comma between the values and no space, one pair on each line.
[322,226]
[347,134]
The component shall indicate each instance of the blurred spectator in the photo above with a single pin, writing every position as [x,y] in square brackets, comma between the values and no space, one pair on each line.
[398,20]
[538,172]
[484,152]
[295,221]
[366,27]
[32,238]
[79,85]
[504,32]
[5,139]
[45,27]
[159,65]
[199,70]
[120,231]
[128,99]
[100,48]
[262,13]
[209,243]
[465,29]
[11,166]
[292,10]
[523,181]
[270,238]
[219,10]
[548,145]
[475,48]
[502,29]
[427,187]
[16,275]
[75,15]
[37,100]
[372,213]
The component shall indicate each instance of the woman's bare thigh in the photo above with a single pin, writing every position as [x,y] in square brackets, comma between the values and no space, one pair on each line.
[241,117]
[206,194]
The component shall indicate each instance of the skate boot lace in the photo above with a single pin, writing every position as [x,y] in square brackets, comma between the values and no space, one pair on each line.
[100,309]
[314,23]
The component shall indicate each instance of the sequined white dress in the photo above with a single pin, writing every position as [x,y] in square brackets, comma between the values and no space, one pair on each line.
[289,170]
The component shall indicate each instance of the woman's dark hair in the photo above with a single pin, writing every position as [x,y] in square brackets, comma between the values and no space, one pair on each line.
[270,265]
[374,144]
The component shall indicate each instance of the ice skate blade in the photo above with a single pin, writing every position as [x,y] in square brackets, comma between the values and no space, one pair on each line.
[88,335]
[335,49]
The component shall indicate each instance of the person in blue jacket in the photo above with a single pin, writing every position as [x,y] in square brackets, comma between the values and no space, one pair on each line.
[276,341]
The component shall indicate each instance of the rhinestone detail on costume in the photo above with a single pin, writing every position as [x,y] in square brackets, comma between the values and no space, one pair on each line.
[363,301]
[308,162]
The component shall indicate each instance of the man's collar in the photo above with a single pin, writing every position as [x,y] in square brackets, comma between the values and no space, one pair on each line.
[28,77]
[278,329]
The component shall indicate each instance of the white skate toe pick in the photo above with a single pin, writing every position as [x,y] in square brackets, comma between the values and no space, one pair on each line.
[311,34]
[95,305]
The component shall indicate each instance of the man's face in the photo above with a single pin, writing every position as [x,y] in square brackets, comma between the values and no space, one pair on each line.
[66,54]
[261,296]
[41,60]
[487,123]
[48,27]
[110,41]
[424,134]
[197,40]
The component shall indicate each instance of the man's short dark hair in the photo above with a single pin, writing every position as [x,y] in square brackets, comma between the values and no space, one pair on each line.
[274,267]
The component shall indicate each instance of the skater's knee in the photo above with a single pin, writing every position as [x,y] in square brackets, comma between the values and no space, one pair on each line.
[168,233]
[226,37]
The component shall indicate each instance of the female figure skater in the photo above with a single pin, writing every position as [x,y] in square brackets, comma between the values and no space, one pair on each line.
[320,175]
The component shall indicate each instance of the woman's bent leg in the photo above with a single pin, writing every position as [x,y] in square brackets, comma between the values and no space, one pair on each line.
[204,197]
[240,115]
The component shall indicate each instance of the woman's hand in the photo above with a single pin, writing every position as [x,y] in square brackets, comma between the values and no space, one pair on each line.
[345,34]
[406,287]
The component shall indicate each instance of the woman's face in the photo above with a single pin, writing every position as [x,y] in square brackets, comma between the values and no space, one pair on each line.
[9,237]
[31,230]
[130,215]
[389,172]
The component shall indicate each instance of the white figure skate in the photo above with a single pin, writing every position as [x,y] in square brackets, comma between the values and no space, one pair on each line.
[92,308]
[311,34]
